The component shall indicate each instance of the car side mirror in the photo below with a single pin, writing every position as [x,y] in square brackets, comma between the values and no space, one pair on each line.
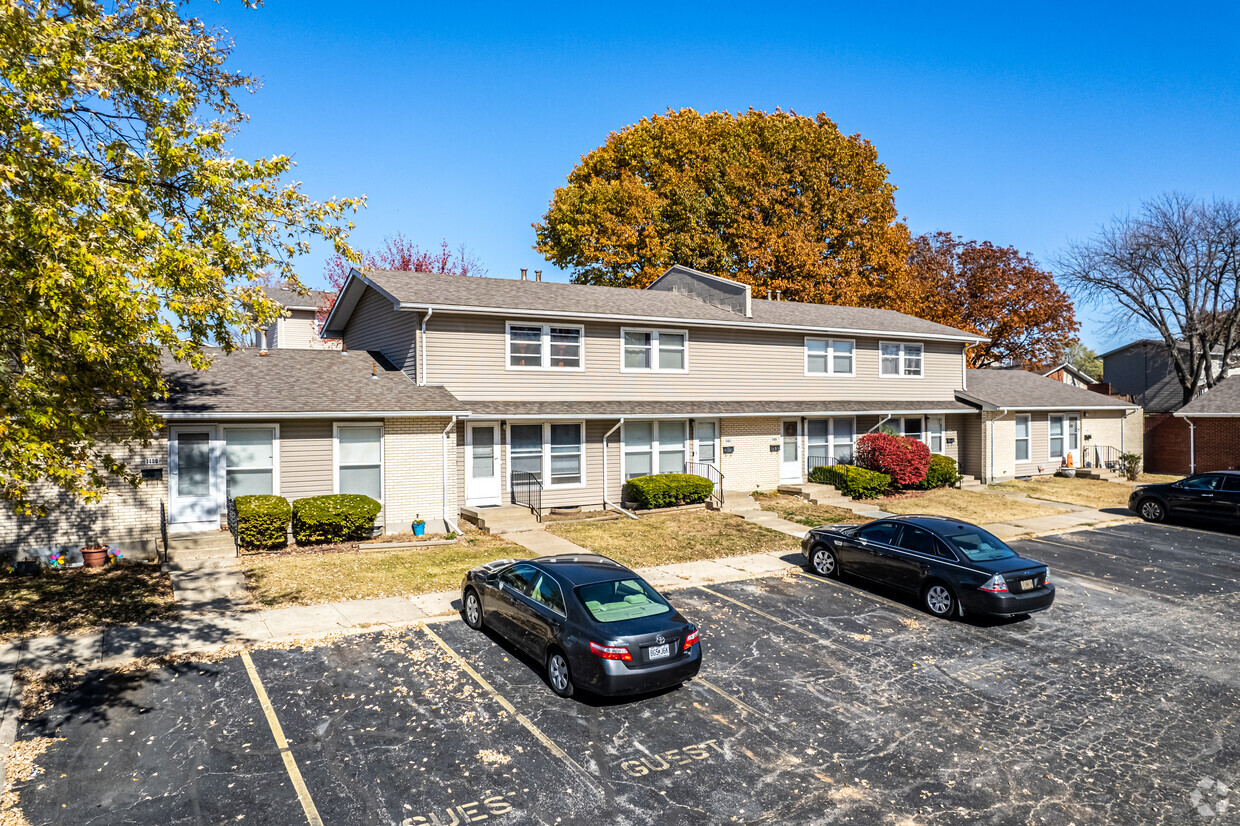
[863,540]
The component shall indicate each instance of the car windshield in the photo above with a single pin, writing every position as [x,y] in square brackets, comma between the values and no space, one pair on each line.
[623,599]
[979,545]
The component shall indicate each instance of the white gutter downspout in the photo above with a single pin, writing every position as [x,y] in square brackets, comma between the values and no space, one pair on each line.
[606,500]
[1192,447]
[422,349]
[1003,411]
[448,523]
[881,422]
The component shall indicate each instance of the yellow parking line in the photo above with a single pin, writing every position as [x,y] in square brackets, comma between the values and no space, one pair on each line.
[509,707]
[742,706]
[761,613]
[303,794]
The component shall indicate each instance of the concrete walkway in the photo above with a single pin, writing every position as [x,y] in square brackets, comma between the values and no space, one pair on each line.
[543,543]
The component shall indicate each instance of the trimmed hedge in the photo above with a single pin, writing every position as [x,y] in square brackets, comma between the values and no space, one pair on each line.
[903,458]
[262,521]
[340,517]
[942,473]
[665,490]
[852,481]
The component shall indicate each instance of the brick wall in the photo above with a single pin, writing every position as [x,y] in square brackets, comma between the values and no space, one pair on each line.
[751,464]
[1216,443]
[413,473]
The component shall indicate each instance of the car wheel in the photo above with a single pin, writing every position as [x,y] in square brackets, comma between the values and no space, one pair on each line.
[1151,510]
[938,599]
[472,610]
[823,561]
[558,675]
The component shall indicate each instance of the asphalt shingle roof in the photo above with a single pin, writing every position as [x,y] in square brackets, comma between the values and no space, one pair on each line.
[1221,400]
[1021,389]
[511,293]
[299,382]
[290,298]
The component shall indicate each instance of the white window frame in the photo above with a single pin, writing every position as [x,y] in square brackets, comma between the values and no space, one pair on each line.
[545,473]
[831,342]
[903,357]
[654,448]
[697,442]
[654,349]
[275,454]
[1027,439]
[921,434]
[1063,435]
[831,442]
[336,427]
[545,351]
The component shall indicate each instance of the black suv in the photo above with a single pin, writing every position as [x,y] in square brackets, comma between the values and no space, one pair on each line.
[1214,496]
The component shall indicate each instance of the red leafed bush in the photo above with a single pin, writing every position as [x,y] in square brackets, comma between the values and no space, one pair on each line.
[905,460]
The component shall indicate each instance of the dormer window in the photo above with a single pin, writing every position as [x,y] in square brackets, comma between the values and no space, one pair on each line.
[544,346]
[654,351]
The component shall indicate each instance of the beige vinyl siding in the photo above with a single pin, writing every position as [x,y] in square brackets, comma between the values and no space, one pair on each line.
[305,458]
[375,325]
[468,354]
[300,330]
[970,439]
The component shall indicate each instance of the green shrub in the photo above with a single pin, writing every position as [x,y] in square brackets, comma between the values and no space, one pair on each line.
[667,489]
[1130,465]
[341,517]
[941,474]
[262,521]
[852,481]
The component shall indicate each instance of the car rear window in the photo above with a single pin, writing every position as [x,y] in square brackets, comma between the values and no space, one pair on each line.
[622,599]
[979,545]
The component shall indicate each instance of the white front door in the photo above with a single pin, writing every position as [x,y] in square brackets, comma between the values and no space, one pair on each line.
[934,433]
[482,479]
[193,500]
[790,452]
[1074,439]
[706,442]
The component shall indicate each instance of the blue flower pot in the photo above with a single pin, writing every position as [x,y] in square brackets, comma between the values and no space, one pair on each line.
[419,529]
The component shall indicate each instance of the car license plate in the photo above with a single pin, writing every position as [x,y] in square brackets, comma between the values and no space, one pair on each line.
[1026,584]
[658,652]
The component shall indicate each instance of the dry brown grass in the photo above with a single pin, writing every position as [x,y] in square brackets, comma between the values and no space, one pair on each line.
[82,600]
[966,505]
[1158,478]
[675,537]
[796,509]
[1087,493]
[309,578]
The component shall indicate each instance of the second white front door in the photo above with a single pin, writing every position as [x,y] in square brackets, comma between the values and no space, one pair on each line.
[790,452]
[482,475]
[193,495]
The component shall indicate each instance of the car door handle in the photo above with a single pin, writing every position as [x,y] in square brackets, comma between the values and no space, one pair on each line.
[1207,495]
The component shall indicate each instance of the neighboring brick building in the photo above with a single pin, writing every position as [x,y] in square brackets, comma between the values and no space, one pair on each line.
[1210,425]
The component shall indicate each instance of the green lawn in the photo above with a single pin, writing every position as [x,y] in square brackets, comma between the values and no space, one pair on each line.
[81,600]
[684,536]
[311,578]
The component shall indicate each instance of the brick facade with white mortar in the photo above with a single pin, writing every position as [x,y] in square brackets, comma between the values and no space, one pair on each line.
[413,476]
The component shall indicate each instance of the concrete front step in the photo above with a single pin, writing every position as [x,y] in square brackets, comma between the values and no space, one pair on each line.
[208,540]
[197,557]
[501,519]
[201,564]
[817,494]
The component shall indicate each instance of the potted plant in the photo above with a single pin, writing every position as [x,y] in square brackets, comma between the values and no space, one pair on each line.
[95,556]
[419,527]
[1067,470]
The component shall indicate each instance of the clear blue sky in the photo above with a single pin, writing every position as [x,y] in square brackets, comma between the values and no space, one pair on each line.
[1026,128]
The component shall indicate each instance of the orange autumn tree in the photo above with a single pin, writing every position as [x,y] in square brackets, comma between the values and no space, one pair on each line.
[997,292]
[779,201]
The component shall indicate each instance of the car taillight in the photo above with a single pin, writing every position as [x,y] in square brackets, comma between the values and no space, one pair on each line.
[611,652]
[995,585]
[691,640]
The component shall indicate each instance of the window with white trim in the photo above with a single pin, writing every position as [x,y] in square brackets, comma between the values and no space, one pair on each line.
[250,461]
[359,459]
[910,426]
[544,346]
[829,441]
[1022,438]
[554,452]
[654,351]
[654,447]
[829,356]
[1055,430]
[900,359]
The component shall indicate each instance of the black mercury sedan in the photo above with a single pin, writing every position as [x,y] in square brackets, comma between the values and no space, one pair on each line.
[1213,496]
[591,621]
[952,566]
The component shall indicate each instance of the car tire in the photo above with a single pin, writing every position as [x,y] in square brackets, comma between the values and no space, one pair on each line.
[824,562]
[939,599]
[1151,510]
[471,609]
[559,677]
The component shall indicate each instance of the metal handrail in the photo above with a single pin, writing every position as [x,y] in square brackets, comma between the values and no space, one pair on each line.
[1101,456]
[527,491]
[163,530]
[708,471]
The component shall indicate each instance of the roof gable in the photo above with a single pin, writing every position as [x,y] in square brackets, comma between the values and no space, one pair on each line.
[1022,390]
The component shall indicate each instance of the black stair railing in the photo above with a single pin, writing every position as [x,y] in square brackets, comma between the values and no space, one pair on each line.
[527,491]
[708,471]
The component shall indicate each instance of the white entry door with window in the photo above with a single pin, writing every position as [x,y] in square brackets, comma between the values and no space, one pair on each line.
[790,452]
[706,442]
[1065,438]
[482,473]
[193,498]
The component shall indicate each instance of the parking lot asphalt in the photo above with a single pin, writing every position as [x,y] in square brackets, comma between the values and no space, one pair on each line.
[818,702]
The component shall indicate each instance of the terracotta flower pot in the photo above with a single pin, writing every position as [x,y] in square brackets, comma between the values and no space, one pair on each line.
[95,557]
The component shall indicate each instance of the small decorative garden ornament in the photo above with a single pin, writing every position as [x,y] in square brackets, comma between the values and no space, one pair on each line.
[419,527]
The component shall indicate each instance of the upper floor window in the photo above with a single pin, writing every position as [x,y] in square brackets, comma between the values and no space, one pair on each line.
[655,350]
[900,359]
[544,346]
[829,356]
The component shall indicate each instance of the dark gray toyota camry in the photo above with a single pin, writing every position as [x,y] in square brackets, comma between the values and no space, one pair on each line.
[591,621]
